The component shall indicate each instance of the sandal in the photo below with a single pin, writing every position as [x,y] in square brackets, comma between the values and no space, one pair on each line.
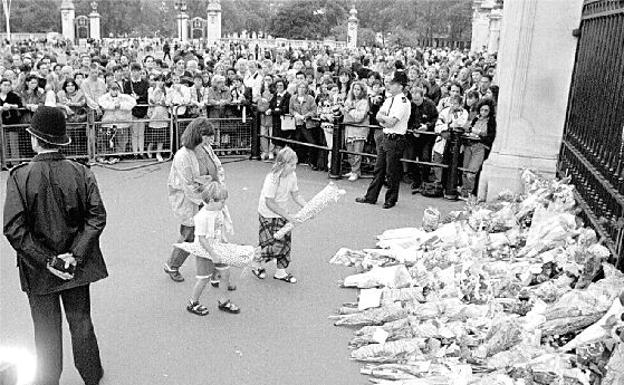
[228,307]
[260,272]
[288,278]
[214,283]
[197,308]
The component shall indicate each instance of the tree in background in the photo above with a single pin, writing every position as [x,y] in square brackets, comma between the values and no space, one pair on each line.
[403,21]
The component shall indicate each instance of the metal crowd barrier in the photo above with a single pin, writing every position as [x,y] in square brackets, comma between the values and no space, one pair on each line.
[95,140]
[233,124]
[338,151]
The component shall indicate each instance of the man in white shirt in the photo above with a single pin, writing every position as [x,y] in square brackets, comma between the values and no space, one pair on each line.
[393,116]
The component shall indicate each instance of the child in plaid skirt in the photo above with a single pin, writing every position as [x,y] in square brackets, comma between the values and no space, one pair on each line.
[280,185]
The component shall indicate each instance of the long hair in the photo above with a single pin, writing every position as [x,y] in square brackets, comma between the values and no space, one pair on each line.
[364,94]
[284,156]
[192,135]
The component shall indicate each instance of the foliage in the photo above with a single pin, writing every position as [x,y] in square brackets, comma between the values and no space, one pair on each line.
[307,19]
[400,20]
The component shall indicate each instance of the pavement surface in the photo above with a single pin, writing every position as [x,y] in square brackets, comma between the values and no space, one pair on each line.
[282,336]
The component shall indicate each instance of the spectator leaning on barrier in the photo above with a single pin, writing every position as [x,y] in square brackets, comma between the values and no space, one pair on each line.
[393,116]
[278,107]
[355,111]
[267,91]
[423,117]
[137,87]
[10,103]
[303,107]
[178,95]
[479,139]
[32,97]
[117,109]
[157,132]
[453,117]
[73,102]
[93,88]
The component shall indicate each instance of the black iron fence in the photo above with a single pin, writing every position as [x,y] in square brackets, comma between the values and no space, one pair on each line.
[593,140]
[99,140]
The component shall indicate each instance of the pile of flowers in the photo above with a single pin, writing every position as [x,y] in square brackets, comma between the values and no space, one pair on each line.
[512,292]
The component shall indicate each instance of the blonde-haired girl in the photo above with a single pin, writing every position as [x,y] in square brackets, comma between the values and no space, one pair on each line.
[279,186]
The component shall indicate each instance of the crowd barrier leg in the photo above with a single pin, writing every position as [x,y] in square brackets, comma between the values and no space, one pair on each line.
[450,190]
[2,148]
[255,138]
[335,171]
[91,136]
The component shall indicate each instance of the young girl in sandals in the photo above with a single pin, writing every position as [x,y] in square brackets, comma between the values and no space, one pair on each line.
[209,233]
[280,185]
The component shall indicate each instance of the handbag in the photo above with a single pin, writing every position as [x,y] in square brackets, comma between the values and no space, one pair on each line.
[288,122]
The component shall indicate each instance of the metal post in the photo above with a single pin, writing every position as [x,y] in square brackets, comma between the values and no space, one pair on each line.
[255,136]
[335,171]
[2,147]
[91,135]
[450,191]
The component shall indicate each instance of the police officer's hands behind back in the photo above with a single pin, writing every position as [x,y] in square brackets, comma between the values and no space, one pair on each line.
[65,261]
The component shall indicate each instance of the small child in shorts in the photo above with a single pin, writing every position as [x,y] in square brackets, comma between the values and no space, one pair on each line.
[280,185]
[209,233]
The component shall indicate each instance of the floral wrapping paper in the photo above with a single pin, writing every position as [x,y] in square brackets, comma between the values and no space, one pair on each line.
[330,194]
[229,253]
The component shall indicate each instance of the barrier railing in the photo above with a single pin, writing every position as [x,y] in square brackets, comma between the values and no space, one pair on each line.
[233,124]
[108,140]
[337,150]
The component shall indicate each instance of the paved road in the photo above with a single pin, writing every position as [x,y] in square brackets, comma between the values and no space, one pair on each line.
[282,336]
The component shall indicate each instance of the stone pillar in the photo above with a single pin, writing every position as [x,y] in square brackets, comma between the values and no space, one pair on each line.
[68,15]
[496,17]
[352,29]
[214,21]
[533,95]
[182,23]
[94,22]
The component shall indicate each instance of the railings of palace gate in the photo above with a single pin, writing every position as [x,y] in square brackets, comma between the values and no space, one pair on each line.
[592,151]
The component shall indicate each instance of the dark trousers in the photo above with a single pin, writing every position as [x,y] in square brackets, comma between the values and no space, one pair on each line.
[178,256]
[424,146]
[46,315]
[304,153]
[388,166]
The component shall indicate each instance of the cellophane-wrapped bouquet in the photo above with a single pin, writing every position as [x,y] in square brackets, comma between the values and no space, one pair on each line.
[513,292]
[330,194]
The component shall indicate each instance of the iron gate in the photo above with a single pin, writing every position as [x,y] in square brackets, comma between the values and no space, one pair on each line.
[593,141]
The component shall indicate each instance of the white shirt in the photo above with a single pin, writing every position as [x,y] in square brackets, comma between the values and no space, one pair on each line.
[255,83]
[278,188]
[208,224]
[398,107]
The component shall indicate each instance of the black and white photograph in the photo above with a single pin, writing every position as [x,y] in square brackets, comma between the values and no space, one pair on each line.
[323,192]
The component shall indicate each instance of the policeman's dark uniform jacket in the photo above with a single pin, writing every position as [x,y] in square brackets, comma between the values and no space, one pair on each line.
[52,207]
[388,165]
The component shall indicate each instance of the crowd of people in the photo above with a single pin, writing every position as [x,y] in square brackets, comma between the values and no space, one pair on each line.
[300,94]
[401,102]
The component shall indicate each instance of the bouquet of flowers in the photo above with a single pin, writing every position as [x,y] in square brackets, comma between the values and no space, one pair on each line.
[328,195]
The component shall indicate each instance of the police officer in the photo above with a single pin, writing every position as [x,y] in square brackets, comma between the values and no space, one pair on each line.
[393,116]
[53,218]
